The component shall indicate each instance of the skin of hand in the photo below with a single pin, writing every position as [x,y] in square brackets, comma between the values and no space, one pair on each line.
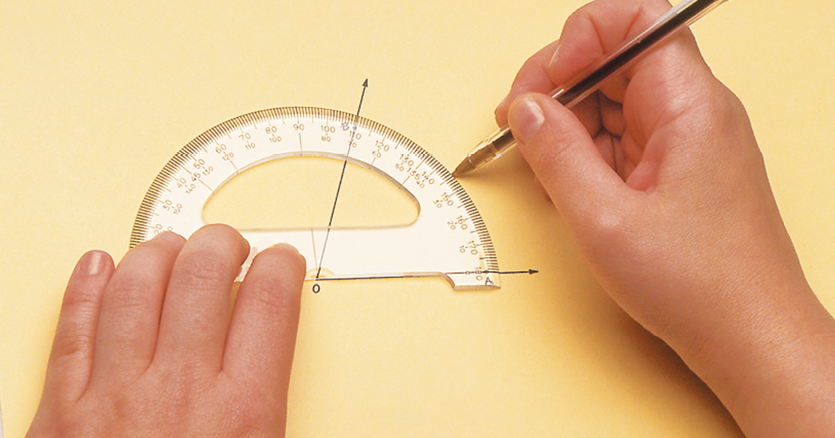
[660,182]
[153,347]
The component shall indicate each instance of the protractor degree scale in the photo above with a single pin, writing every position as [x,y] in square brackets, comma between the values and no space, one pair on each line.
[448,239]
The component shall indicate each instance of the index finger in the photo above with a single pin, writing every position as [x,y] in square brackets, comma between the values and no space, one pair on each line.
[533,77]
[599,29]
[590,33]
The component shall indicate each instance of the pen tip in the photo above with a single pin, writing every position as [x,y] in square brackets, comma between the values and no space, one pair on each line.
[462,168]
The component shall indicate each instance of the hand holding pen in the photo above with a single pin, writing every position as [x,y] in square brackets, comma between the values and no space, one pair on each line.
[590,79]
[660,182]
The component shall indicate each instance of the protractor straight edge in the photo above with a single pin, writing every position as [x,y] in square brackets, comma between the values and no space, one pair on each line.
[448,239]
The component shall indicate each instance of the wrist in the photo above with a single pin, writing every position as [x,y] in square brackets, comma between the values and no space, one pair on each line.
[772,363]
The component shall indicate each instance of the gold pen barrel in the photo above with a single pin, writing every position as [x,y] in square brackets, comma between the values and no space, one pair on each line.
[489,149]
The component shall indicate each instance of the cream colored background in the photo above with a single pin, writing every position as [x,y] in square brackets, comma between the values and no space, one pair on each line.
[95,97]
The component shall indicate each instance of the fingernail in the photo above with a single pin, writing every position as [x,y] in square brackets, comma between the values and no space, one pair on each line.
[525,118]
[554,57]
[92,263]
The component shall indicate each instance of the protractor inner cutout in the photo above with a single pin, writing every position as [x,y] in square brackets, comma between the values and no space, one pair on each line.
[447,239]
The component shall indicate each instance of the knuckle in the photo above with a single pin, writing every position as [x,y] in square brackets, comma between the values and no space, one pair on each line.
[270,282]
[80,300]
[70,343]
[128,285]
[612,230]
[273,297]
[127,295]
[202,270]
[610,223]
[552,150]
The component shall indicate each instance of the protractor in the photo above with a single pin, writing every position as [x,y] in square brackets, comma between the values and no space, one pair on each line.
[447,239]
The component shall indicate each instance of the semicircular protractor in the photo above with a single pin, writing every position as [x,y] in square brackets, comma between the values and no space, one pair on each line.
[448,239]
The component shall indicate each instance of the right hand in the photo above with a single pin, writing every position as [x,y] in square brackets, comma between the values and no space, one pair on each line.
[661,184]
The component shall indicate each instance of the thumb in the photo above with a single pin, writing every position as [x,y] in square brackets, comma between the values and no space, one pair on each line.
[564,157]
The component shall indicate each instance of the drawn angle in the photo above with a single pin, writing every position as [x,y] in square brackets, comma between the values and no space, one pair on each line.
[341,179]
[447,239]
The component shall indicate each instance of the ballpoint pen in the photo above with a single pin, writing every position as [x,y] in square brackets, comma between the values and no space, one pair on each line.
[680,16]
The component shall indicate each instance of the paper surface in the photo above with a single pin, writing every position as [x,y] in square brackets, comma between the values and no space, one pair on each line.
[98,96]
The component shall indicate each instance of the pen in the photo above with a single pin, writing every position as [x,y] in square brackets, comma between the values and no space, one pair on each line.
[587,82]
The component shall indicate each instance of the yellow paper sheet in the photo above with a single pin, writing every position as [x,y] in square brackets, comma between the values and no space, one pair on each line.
[95,97]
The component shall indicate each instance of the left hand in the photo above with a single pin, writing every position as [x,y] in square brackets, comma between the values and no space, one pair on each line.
[150,348]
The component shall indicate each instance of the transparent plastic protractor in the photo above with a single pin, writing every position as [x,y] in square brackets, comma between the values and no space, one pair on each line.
[448,239]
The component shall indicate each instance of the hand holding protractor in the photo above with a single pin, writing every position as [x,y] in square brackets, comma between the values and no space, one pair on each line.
[448,239]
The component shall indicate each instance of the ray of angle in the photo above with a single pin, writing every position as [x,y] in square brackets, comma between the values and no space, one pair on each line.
[419,274]
[490,271]
[341,178]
